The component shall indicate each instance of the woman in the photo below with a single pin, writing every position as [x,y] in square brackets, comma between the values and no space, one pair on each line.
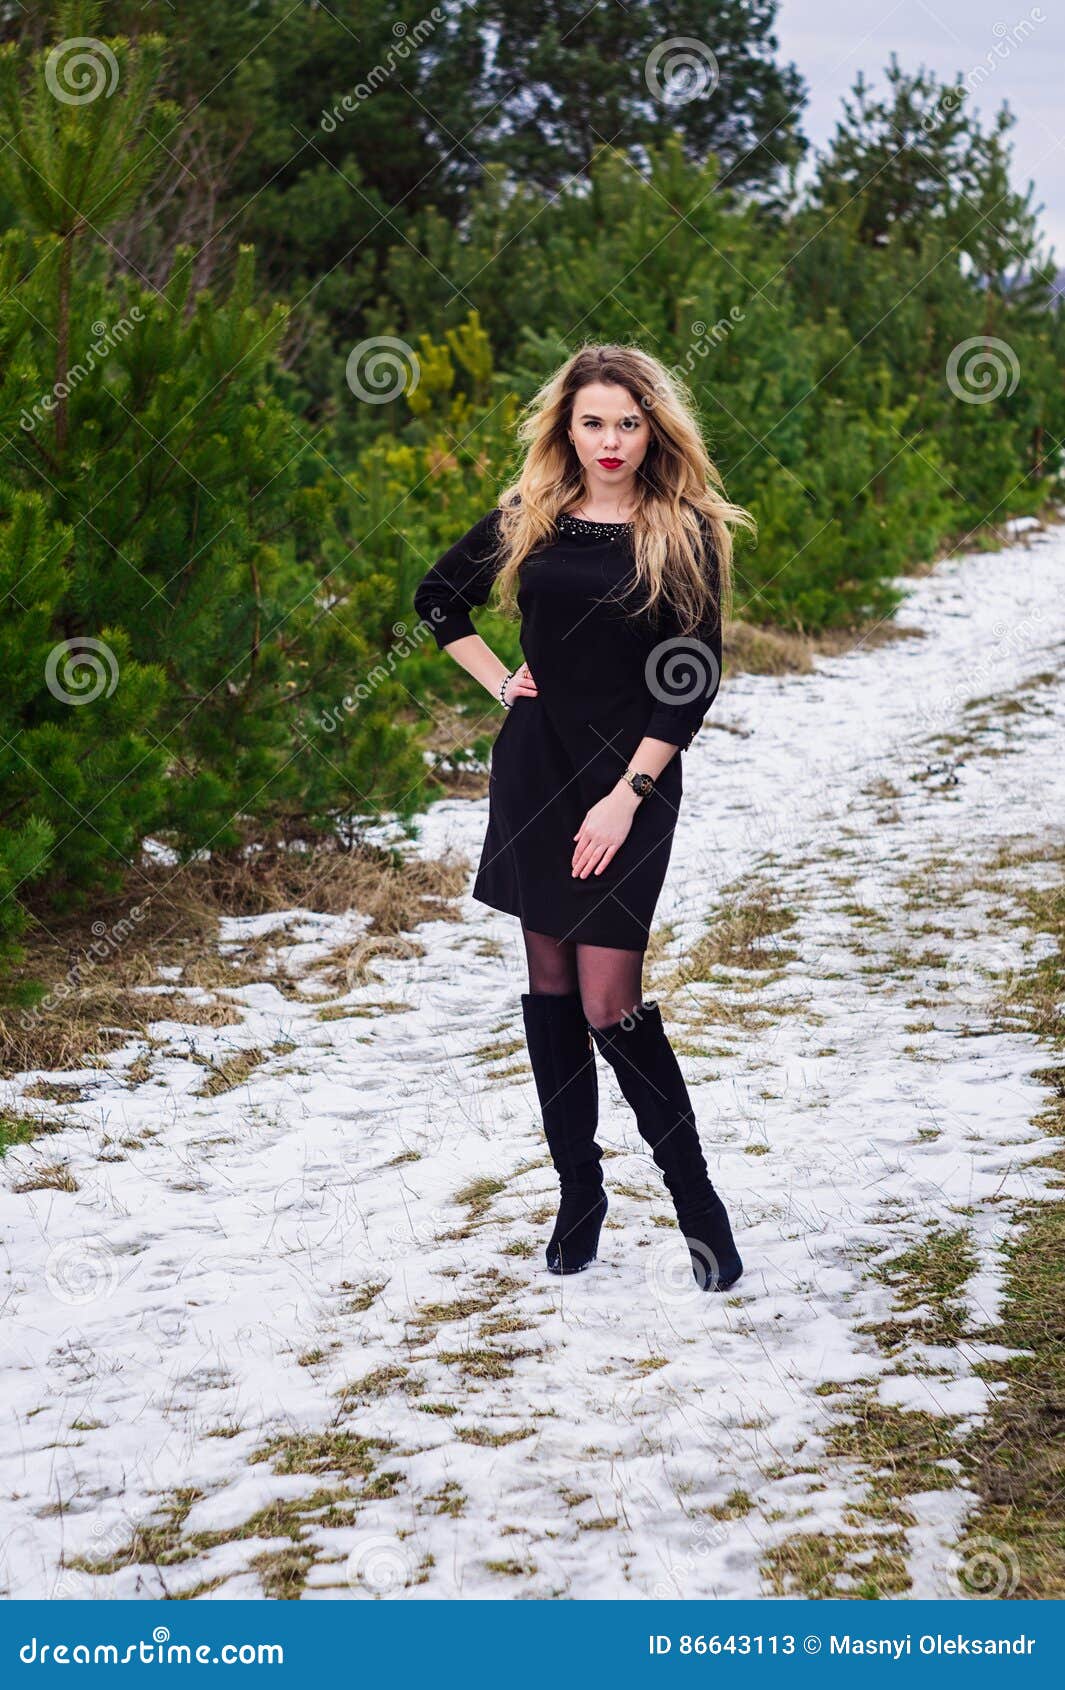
[614,546]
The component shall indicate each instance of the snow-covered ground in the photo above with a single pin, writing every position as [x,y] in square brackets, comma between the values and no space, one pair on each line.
[228,1269]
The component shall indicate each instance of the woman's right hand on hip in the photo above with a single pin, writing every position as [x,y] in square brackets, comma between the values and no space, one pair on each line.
[520,685]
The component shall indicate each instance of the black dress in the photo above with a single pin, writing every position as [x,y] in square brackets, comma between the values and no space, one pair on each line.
[605,678]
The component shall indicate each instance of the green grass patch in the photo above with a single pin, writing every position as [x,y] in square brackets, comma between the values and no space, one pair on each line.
[930,1276]
[1015,1541]
[22,1129]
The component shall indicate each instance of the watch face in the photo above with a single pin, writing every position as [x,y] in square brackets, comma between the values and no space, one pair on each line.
[642,785]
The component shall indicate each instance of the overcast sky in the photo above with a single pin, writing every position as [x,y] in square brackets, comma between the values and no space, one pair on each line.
[831,40]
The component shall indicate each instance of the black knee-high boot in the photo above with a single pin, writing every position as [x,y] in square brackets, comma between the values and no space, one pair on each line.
[563,1065]
[639,1051]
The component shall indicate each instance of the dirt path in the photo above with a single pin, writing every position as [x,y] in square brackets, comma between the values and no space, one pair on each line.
[297,1336]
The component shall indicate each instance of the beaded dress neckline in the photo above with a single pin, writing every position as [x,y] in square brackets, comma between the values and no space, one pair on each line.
[597,530]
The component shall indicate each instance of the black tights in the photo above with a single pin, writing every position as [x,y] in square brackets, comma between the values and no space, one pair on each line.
[610,981]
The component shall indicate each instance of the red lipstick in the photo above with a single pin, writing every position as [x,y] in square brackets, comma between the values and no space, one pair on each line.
[611,463]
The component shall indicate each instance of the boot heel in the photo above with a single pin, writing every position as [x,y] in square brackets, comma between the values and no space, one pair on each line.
[648,1073]
[574,1244]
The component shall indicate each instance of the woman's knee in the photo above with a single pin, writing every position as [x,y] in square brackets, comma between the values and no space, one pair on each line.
[602,1012]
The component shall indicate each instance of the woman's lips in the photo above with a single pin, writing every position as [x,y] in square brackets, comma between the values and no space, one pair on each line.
[611,463]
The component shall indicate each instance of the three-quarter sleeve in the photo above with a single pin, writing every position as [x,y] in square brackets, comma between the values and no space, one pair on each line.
[682,671]
[458,581]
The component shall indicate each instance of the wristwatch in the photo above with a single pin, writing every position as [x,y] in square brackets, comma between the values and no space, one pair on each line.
[642,785]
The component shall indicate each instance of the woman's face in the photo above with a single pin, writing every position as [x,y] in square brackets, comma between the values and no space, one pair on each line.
[610,434]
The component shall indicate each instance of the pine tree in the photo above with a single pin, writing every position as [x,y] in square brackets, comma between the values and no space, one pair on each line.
[185,581]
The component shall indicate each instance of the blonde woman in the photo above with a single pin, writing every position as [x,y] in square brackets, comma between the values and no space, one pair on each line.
[614,545]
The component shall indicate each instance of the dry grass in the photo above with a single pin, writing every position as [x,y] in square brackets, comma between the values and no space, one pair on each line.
[463,1308]
[450,1499]
[756,650]
[484,1363]
[231,1072]
[344,1454]
[351,965]
[742,934]
[365,1295]
[485,1438]
[283,1572]
[100,973]
[903,1450]
[55,1091]
[164,1543]
[736,1506]
[54,1176]
[512,1569]
[380,1383]
[477,1195]
[820,1565]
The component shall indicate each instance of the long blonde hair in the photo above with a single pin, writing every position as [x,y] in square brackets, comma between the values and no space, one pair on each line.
[680,492]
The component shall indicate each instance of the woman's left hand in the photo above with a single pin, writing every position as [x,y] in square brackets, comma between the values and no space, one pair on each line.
[603,832]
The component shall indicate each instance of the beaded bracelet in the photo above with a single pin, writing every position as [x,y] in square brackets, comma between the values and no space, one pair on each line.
[503,688]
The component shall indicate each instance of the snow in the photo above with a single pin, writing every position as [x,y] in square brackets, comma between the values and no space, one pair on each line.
[181,1291]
